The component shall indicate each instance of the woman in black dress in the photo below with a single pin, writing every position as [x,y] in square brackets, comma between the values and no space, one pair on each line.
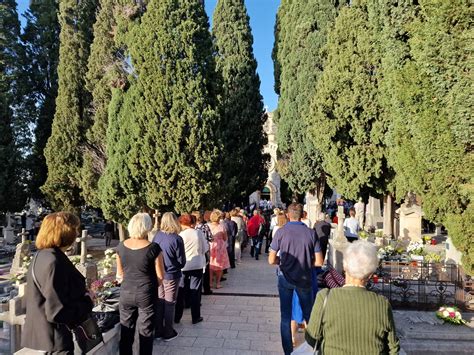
[140,267]
[58,300]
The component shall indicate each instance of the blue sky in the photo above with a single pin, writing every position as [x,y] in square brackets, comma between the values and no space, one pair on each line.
[262,19]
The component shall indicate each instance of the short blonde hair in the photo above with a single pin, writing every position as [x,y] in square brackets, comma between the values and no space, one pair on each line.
[170,223]
[58,230]
[215,216]
[281,220]
[139,226]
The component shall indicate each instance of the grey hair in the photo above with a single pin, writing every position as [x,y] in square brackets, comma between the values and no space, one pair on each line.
[360,259]
[139,226]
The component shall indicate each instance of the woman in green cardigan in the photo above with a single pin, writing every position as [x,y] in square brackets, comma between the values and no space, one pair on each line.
[355,321]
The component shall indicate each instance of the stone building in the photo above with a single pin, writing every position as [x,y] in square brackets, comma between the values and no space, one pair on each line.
[271,191]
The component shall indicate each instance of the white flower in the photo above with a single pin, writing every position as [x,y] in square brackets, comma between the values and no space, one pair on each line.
[445,314]
[108,284]
[89,256]
[458,315]
[450,309]
[109,252]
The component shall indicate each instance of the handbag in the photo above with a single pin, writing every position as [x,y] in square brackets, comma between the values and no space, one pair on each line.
[87,334]
[333,279]
[317,346]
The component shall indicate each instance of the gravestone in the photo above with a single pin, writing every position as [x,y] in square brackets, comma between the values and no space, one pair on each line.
[338,243]
[360,211]
[453,256]
[410,220]
[23,249]
[156,217]
[373,214]
[87,268]
[8,231]
[312,208]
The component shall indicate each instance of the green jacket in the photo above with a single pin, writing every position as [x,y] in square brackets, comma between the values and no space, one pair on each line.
[356,321]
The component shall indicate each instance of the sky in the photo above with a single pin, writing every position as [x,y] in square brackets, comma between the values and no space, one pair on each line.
[262,20]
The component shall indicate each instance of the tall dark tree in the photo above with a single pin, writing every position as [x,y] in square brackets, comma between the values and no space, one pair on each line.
[41,40]
[302,29]
[244,166]
[63,151]
[12,181]
[347,124]
[175,147]
[105,70]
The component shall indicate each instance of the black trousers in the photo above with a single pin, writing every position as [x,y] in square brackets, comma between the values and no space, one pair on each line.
[137,310]
[190,295]
[231,252]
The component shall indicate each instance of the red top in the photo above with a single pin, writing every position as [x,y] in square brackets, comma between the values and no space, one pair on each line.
[253,225]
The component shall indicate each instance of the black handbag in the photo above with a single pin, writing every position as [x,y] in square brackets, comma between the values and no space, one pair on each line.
[87,335]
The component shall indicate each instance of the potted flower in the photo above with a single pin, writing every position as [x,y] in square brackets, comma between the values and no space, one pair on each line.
[18,278]
[426,239]
[450,314]
[416,251]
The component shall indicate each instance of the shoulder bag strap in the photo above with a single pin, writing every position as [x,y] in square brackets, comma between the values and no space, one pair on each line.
[33,275]
[320,330]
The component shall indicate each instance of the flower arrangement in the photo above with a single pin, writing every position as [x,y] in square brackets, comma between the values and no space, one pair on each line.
[75,260]
[415,248]
[363,235]
[109,261]
[101,289]
[450,315]
[433,258]
[27,261]
[386,252]
[18,278]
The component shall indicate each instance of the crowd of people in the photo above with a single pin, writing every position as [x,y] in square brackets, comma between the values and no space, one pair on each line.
[163,272]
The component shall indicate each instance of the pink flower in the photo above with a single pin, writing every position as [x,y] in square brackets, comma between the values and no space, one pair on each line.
[452,314]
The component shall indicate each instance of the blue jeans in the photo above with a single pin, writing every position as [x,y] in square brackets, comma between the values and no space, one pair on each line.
[285,291]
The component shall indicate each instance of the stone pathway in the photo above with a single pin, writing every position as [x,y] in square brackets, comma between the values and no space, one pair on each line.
[232,325]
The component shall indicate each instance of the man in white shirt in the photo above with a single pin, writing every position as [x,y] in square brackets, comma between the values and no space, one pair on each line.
[351,226]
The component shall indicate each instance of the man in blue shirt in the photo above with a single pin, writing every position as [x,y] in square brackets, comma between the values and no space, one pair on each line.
[295,249]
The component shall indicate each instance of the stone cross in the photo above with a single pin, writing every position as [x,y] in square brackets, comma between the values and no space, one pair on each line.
[83,241]
[157,216]
[23,235]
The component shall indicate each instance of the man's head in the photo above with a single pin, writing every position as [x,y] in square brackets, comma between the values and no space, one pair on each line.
[352,212]
[295,212]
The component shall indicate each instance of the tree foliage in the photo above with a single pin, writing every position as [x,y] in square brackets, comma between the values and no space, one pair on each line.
[347,124]
[431,151]
[40,82]
[241,105]
[12,179]
[104,71]
[301,32]
[172,106]
[63,152]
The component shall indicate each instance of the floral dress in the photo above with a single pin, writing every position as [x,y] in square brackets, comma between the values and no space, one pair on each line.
[219,258]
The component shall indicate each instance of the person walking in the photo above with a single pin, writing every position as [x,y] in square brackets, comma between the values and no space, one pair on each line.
[231,228]
[239,239]
[219,258]
[323,231]
[298,252]
[354,320]
[174,258]
[351,226]
[56,296]
[140,267]
[108,232]
[195,247]
[255,229]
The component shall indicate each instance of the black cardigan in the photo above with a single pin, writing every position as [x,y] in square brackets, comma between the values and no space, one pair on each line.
[60,303]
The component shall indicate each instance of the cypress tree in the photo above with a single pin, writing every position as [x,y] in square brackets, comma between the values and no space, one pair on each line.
[12,186]
[244,167]
[302,29]
[347,124]
[173,123]
[64,149]
[104,71]
[432,152]
[41,40]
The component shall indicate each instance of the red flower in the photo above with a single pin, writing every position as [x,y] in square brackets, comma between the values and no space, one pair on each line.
[452,315]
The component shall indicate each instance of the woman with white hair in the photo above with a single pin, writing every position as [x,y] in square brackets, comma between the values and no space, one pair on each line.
[351,319]
[140,267]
